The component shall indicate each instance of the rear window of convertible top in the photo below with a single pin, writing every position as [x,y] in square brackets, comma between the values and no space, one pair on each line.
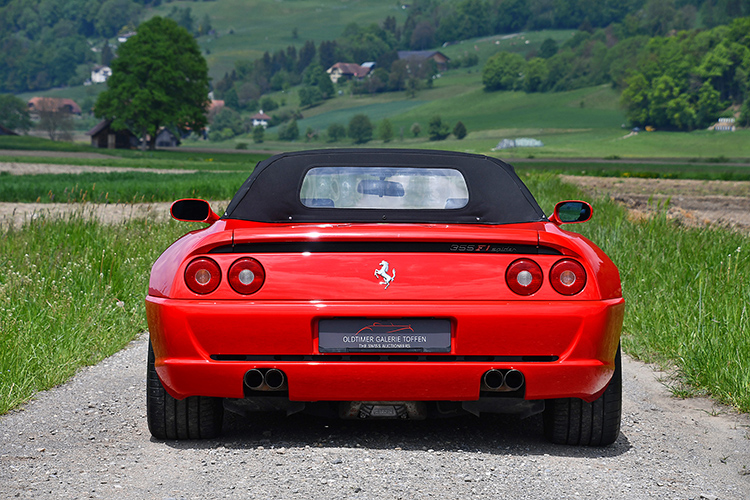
[396,188]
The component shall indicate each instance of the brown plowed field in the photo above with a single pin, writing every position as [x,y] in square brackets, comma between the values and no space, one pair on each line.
[693,202]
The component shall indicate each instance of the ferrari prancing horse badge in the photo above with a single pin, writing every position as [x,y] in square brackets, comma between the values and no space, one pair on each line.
[383,273]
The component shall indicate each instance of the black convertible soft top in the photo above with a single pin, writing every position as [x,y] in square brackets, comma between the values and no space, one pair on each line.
[272,192]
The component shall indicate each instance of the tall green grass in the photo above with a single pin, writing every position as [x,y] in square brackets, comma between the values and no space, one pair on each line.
[687,292]
[643,169]
[71,293]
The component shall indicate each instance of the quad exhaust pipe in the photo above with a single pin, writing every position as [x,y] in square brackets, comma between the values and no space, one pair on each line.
[514,380]
[271,379]
[503,380]
[275,379]
[254,379]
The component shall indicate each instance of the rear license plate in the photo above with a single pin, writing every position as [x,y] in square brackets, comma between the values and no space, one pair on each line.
[385,335]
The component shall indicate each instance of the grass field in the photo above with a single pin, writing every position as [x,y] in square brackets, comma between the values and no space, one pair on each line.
[585,123]
[71,293]
[687,293]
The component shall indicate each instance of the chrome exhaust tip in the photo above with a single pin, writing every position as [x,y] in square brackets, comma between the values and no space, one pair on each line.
[514,380]
[275,379]
[493,379]
[254,379]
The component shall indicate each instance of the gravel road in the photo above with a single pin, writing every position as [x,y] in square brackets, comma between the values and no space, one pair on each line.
[88,439]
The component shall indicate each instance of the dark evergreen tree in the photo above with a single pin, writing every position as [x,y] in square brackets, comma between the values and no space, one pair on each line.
[107,54]
[459,131]
[438,130]
[360,129]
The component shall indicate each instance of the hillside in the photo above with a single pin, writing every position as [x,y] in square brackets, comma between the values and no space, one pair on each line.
[236,36]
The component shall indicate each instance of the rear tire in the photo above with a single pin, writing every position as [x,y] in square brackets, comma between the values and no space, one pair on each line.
[573,421]
[195,417]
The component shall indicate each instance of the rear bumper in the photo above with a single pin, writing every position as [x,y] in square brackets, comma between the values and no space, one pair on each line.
[581,336]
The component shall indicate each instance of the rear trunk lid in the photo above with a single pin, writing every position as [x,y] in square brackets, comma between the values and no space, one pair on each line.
[388,262]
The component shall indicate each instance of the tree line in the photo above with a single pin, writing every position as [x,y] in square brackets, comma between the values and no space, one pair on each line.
[433,22]
[361,130]
[679,82]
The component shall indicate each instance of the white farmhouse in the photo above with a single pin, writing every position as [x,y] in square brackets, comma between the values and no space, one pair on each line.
[100,74]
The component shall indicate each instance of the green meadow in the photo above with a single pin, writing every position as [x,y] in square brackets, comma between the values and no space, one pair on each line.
[583,123]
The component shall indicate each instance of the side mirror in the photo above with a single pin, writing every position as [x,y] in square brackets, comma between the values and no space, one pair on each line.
[193,210]
[567,212]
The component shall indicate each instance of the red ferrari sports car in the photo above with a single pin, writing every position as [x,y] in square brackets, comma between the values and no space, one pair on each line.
[385,284]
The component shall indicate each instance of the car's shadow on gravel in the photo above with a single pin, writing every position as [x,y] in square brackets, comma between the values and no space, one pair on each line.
[492,434]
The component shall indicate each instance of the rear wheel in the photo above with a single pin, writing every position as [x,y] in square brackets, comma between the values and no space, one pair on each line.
[575,422]
[195,417]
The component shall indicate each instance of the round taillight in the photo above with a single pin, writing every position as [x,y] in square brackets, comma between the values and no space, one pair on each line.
[246,276]
[202,275]
[524,277]
[567,277]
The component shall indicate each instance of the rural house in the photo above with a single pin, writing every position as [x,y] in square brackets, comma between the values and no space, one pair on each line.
[100,74]
[103,136]
[347,71]
[37,104]
[260,118]
[421,56]
[215,106]
[125,36]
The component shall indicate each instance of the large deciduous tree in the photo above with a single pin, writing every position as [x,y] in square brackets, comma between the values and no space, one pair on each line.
[159,79]
[503,71]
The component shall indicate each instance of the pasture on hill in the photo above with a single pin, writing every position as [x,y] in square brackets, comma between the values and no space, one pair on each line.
[247,29]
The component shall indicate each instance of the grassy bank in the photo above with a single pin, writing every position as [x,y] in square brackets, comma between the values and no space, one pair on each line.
[71,292]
